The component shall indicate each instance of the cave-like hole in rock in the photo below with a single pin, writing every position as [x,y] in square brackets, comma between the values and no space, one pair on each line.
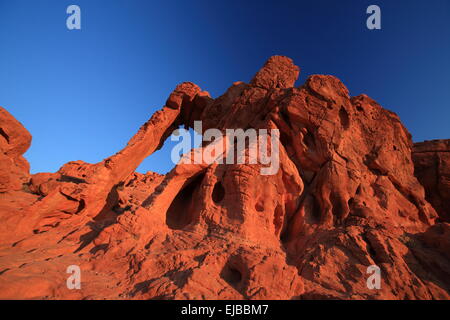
[316,210]
[337,207]
[259,205]
[344,118]
[4,135]
[284,237]
[231,275]
[351,201]
[181,211]
[218,192]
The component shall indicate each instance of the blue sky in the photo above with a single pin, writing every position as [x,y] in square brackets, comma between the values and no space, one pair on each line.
[83,93]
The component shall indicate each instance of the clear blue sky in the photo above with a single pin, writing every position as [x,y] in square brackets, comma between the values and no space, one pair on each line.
[83,94]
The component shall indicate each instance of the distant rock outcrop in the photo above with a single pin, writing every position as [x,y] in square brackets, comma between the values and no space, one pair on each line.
[345,197]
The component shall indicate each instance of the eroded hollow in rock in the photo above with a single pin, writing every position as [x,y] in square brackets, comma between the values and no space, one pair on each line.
[231,275]
[218,192]
[259,205]
[182,209]
[344,118]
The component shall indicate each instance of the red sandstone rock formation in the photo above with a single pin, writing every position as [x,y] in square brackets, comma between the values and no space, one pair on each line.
[432,168]
[345,197]
[14,141]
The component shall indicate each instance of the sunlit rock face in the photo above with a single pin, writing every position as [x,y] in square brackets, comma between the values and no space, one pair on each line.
[344,197]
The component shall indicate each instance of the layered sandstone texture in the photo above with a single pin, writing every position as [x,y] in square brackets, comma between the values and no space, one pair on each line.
[345,197]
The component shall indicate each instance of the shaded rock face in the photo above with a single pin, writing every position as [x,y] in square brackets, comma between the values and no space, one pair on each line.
[432,168]
[344,198]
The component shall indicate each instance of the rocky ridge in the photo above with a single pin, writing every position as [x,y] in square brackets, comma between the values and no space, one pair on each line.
[352,191]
